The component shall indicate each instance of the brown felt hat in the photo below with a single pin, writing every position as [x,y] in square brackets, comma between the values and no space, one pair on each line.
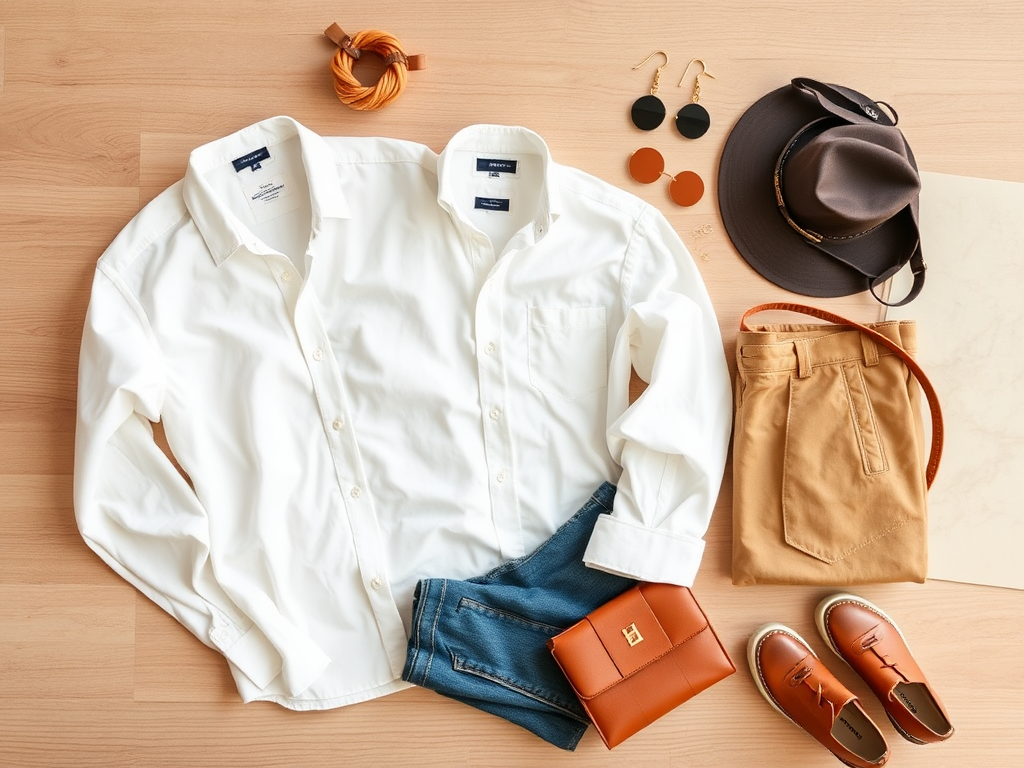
[819,191]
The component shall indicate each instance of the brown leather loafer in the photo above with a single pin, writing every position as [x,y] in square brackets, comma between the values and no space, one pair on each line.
[870,642]
[799,686]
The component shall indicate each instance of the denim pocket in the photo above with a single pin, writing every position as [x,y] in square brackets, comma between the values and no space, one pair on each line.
[503,615]
[568,350]
[530,671]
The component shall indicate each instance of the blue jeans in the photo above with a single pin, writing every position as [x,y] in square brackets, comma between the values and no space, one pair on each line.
[484,641]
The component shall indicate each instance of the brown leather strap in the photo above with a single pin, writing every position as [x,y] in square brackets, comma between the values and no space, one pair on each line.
[341,39]
[938,432]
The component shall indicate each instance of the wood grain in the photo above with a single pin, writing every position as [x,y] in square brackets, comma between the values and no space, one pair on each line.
[101,102]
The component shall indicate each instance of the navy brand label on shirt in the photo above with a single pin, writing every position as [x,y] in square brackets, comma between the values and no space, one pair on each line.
[496,166]
[252,160]
[491,203]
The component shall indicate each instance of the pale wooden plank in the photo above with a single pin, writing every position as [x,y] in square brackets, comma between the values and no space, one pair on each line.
[66,613]
[61,136]
[164,158]
[27,204]
[42,544]
[45,732]
[171,665]
[50,238]
[33,443]
[42,328]
[66,641]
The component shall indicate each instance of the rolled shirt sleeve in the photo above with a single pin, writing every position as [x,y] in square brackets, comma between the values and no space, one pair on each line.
[672,441]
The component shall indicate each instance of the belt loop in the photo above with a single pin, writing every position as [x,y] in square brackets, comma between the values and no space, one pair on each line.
[870,350]
[802,347]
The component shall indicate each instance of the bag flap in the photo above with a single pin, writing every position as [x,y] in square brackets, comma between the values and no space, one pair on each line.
[626,634]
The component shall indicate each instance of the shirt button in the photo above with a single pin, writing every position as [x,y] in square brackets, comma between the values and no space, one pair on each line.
[338,423]
[286,276]
[502,476]
[491,348]
[376,582]
[356,492]
[318,354]
[495,414]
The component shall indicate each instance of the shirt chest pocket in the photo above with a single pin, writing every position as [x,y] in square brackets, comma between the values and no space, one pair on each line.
[568,350]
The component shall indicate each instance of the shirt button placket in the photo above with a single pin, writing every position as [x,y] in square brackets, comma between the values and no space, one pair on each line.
[497,445]
[356,493]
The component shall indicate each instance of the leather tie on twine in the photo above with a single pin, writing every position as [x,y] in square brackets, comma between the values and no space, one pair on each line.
[353,93]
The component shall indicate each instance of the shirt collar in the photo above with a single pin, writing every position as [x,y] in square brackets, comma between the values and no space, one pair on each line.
[505,140]
[224,232]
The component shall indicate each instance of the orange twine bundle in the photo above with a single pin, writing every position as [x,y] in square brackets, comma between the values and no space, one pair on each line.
[353,93]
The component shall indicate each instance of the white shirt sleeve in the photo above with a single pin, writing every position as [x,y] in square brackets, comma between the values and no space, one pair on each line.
[672,441]
[141,516]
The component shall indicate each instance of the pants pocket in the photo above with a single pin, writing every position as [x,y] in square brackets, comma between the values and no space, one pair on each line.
[843,485]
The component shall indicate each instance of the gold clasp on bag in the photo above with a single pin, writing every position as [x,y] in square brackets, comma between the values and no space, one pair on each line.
[633,636]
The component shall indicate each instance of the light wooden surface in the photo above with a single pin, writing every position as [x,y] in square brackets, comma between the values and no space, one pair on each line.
[100,103]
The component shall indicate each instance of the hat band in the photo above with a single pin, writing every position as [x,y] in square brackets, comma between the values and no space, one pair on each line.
[814,237]
[818,126]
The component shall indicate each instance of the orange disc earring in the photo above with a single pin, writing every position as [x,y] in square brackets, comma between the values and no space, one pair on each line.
[646,166]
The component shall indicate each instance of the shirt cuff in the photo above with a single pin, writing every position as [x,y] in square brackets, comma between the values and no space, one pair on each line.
[627,549]
[258,660]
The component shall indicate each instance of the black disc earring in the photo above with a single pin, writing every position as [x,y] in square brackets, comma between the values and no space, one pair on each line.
[693,121]
[648,112]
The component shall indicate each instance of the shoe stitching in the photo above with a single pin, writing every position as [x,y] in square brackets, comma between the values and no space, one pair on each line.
[760,671]
[859,605]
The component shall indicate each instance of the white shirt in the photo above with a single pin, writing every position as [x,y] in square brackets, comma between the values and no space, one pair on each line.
[372,373]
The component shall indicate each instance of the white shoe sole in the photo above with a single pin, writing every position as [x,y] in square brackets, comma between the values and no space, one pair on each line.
[755,668]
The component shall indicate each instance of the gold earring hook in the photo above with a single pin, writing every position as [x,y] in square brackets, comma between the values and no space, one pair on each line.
[696,84]
[657,73]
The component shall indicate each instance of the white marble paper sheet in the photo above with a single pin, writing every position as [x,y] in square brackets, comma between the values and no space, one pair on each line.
[971,344]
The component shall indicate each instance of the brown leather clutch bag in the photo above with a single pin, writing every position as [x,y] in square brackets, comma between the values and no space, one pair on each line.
[639,656]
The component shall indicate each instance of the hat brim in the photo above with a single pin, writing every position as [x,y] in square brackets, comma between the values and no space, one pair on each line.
[746,196]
